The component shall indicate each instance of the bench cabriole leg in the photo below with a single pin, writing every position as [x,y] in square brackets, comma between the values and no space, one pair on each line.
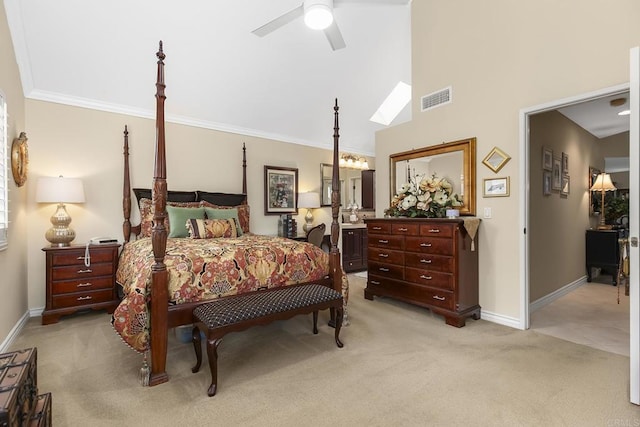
[212,353]
[339,314]
[195,338]
[315,322]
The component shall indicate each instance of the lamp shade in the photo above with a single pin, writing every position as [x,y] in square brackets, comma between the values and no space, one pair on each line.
[309,200]
[603,183]
[318,14]
[59,190]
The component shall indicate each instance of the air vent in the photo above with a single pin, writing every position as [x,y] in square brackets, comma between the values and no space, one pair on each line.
[436,99]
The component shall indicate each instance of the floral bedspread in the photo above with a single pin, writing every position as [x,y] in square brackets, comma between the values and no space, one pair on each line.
[203,269]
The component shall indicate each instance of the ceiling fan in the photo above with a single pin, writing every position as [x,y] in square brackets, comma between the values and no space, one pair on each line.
[318,15]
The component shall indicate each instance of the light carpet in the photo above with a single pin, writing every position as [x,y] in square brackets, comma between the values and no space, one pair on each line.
[401,365]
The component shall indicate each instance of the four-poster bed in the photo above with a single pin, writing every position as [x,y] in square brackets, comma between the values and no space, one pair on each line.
[167,304]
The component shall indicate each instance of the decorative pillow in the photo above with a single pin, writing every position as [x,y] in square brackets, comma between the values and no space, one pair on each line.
[243,213]
[146,214]
[212,228]
[228,213]
[178,219]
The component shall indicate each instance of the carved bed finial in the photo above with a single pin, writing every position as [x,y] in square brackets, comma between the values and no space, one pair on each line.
[160,53]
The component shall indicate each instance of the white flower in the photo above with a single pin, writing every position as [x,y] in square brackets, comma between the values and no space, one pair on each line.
[440,197]
[409,201]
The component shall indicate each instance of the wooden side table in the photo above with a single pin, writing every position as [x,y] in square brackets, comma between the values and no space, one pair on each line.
[75,283]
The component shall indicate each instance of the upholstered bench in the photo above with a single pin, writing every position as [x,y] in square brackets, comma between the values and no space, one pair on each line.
[219,317]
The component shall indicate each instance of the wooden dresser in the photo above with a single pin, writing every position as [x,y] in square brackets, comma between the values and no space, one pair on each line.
[428,262]
[72,285]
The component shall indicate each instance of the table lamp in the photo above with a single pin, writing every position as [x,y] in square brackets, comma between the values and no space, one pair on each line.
[310,201]
[603,183]
[60,190]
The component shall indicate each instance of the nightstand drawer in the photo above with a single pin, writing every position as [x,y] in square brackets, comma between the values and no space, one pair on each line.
[82,285]
[82,298]
[80,271]
[76,257]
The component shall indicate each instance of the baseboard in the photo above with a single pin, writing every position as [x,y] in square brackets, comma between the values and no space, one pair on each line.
[36,312]
[500,319]
[548,299]
[13,333]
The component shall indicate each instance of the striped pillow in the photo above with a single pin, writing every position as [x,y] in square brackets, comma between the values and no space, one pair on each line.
[211,228]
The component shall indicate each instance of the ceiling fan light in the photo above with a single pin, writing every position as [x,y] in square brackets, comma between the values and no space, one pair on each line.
[317,14]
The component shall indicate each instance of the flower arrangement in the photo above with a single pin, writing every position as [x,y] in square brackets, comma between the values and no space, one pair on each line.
[428,197]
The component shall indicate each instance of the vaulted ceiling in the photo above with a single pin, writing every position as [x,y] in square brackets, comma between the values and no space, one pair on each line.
[219,75]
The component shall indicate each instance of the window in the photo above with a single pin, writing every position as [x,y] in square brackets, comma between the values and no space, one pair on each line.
[4,172]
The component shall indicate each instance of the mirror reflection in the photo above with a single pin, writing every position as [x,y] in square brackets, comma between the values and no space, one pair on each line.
[350,186]
[454,161]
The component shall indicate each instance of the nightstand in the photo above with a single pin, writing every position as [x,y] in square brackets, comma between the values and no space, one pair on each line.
[73,286]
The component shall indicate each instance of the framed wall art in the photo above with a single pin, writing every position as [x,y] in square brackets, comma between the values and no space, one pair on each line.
[565,164]
[280,190]
[547,159]
[496,159]
[556,173]
[546,183]
[495,187]
[564,191]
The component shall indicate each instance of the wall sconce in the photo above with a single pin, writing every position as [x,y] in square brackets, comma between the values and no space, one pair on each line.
[310,201]
[60,190]
[353,162]
[603,183]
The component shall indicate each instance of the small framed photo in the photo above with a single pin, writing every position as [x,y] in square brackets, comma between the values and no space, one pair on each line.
[546,183]
[547,159]
[280,190]
[496,187]
[565,164]
[556,180]
[564,191]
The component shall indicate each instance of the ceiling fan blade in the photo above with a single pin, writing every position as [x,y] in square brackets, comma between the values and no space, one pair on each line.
[279,21]
[334,36]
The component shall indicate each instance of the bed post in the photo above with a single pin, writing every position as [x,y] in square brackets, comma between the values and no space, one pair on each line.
[244,171]
[335,270]
[159,274]
[126,190]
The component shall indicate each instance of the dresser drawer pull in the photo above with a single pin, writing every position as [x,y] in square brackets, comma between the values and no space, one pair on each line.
[376,228]
[386,270]
[439,298]
[383,241]
[426,261]
[88,297]
[84,285]
[425,245]
[88,270]
[383,255]
[402,229]
[374,282]
[434,230]
[422,276]
[350,233]
[81,258]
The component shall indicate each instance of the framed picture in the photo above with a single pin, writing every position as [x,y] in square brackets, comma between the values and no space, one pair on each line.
[280,190]
[565,164]
[556,181]
[547,159]
[496,187]
[594,197]
[564,191]
[496,159]
[546,183]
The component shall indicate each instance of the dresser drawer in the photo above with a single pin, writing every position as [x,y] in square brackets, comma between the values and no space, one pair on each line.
[416,294]
[81,285]
[386,270]
[431,245]
[386,241]
[430,278]
[76,256]
[353,265]
[434,229]
[444,299]
[379,228]
[405,229]
[429,261]
[386,256]
[80,271]
[82,298]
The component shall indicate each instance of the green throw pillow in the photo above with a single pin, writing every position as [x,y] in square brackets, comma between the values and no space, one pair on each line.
[213,213]
[178,219]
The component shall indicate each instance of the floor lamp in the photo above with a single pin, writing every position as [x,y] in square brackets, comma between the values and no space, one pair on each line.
[603,184]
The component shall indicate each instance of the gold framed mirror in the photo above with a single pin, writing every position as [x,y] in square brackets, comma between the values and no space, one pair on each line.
[455,161]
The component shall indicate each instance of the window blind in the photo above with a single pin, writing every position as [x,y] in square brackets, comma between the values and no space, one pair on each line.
[4,172]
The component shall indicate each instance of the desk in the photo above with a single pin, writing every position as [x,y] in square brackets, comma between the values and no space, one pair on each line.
[603,251]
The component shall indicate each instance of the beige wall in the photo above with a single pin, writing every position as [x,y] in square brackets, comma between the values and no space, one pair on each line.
[13,260]
[557,223]
[617,146]
[501,56]
[77,142]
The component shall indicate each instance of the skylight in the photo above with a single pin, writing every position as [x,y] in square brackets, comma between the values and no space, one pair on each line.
[391,107]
